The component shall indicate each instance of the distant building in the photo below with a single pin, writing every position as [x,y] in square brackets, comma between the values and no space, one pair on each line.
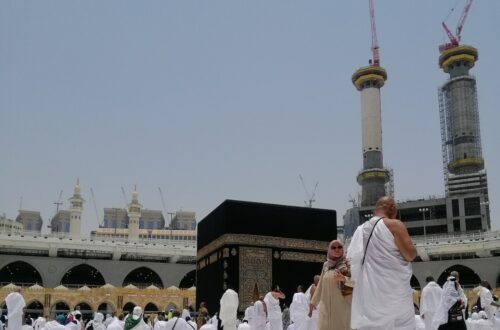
[31,220]
[453,214]
[9,225]
[145,234]
[118,218]
[184,220]
[60,223]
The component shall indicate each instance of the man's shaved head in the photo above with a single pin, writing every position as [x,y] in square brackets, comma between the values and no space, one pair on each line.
[386,205]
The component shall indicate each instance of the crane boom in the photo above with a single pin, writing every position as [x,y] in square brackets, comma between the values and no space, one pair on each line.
[462,19]
[455,39]
[452,38]
[375,47]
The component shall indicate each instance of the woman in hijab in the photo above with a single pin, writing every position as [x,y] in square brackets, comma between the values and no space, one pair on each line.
[333,295]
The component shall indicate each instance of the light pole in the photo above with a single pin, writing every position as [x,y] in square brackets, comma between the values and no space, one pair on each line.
[423,210]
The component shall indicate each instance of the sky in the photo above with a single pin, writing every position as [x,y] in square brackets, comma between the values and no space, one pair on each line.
[225,99]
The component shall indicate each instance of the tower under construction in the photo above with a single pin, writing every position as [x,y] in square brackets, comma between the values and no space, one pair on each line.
[368,80]
[465,207]
[463,163]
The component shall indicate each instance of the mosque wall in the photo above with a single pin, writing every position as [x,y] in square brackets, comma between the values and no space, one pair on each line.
[486,268]
[52,269]
[116,298]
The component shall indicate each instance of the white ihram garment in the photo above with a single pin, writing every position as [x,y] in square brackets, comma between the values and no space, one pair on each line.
[449,297]
[15,304]
[259,316]
[229,309]
[486,300]
[311,323]
[298,310]
[382,298]
[115,324]
[273,312]
[429,302]
[249,314]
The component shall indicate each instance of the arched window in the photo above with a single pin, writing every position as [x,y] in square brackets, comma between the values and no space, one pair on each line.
[468,278]
[143,277]
[188,280]
[105,308]
[129,307]
[34,309]
[59,308]
[20,273]
[151,308]
[414,283]
[86,310]
[81,275]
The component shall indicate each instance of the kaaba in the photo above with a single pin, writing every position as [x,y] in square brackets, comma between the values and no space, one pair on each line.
[250,246]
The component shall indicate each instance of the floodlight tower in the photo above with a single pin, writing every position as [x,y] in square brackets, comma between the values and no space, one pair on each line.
[368,80]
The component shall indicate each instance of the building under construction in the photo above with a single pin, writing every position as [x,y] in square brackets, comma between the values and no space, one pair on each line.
[465,205]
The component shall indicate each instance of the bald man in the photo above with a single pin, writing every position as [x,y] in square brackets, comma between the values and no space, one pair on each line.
[380,252]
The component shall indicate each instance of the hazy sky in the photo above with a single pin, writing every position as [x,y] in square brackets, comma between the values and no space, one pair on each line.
[212,100]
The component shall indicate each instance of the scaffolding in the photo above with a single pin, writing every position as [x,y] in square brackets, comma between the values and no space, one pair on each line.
[446,138]
[389,186]
[458,100]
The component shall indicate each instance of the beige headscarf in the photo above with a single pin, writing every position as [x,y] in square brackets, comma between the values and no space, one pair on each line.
[331,260]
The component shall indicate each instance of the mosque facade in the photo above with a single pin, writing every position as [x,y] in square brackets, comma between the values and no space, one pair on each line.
[129,260]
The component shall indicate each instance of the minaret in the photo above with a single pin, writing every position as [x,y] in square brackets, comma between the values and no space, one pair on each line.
[368,80]
[134,214]
[75,212]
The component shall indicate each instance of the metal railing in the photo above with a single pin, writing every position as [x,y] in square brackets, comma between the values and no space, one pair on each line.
[98,238]
[443,239]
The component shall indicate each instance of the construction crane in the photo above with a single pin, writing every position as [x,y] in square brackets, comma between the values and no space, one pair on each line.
[99,223]
[375,48]
[125,198]
[164,207]
[310,197]
[58,203]
[455,39]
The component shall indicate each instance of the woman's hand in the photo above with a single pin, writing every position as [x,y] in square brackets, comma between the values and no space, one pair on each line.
[338,276]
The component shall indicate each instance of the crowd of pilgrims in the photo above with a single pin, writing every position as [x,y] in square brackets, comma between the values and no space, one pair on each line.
[267,313]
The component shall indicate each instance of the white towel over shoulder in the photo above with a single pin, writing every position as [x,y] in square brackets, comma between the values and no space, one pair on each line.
[382,296]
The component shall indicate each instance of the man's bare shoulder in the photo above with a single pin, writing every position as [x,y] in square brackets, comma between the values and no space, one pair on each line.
[394,225]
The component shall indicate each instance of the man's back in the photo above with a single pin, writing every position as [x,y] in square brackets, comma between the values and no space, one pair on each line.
[382,297]
[431,295]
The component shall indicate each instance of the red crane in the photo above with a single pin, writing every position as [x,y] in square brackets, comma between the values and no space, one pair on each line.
[455,39]
[375,53]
